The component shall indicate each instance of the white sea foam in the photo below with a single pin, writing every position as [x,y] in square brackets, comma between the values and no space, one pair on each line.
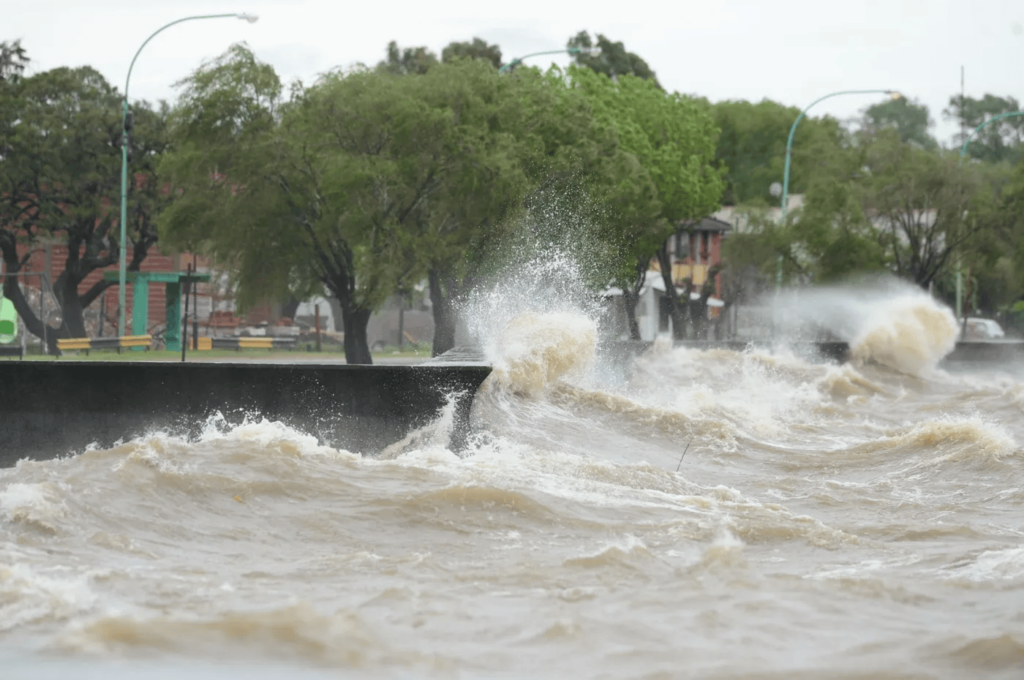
[885,320]
[535,350]
[993,565]
[28,596]
[37,505]
[909,333]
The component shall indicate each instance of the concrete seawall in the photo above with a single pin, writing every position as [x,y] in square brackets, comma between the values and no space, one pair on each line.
[51,409]
[983,352]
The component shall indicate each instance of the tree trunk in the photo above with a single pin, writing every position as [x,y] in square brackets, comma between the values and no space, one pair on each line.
[357,349]
[700,325]
[354,317]
[444,315]
[13,292]
[631,297]
[289,308]
[33,324]
[73,318]
[723,313]
[674,308]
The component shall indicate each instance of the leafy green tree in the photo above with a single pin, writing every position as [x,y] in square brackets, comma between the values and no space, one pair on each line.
[365,182]
[613,61]
[755,250]
[999,253]
[300,191]
[13,60]
[834,235]
[410,61]
[908,117]
[997,142]
[520,142]
[928,205]
[882,205]
[752,146]
[673,139]
[60,171]
[479,184]
[477,49]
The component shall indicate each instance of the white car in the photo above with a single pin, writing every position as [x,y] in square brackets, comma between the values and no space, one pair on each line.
[983,329]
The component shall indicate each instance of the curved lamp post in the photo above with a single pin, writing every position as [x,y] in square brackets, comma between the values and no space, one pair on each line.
[963,149]
[789,150]
[251,18]
[568,50]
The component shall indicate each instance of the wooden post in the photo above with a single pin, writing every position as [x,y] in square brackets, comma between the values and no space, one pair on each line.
[401,320]
[316,315]
[195,308]
[184,323]
[967,306]
[103,312]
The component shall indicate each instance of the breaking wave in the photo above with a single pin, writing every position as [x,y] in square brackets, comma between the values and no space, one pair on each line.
[910,333]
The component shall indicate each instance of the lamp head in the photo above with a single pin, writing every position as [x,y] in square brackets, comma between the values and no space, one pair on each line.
[894,94]
[592,51]
[251,18]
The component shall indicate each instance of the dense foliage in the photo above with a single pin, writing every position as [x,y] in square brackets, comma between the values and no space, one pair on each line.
[372,180]
[60,181]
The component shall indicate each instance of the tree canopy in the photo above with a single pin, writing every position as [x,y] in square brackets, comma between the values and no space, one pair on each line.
[477,49]
[60,172]
[752,147]
[13,60]
[614,60]
[908,117]
[997,142]
[371,180]
[411,60]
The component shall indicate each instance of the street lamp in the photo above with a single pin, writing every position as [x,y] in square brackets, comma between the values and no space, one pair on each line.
[126,124]
[789,150]
[594,51]
[963,149]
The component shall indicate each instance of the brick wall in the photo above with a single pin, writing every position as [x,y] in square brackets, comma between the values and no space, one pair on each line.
[57,255]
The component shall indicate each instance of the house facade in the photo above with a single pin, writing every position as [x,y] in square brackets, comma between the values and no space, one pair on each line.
[695,249]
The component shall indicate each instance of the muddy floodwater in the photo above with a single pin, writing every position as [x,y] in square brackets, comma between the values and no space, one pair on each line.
[863,520]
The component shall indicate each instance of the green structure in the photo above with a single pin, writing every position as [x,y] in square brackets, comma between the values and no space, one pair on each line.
[140,301]
[8,321]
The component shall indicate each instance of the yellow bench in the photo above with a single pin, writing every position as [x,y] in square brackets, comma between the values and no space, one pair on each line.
[249,342]
[66,344]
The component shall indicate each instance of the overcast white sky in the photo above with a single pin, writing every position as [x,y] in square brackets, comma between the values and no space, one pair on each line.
[792,51]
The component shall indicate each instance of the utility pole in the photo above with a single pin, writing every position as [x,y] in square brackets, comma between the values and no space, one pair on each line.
[963,136]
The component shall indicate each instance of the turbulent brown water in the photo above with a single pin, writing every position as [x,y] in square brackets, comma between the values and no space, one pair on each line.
[858,520]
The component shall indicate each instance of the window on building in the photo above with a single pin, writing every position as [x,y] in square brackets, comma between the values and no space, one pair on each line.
[682,245]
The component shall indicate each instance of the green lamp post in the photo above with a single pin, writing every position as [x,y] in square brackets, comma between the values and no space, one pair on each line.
[789,150]
[568,50]
[963,149]
[126,126]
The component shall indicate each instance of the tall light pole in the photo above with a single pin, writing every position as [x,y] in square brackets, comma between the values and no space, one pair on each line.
[568,50]
[126,124]
[967,140]
[789,150]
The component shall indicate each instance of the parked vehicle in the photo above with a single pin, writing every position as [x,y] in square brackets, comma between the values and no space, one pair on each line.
[982,329]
